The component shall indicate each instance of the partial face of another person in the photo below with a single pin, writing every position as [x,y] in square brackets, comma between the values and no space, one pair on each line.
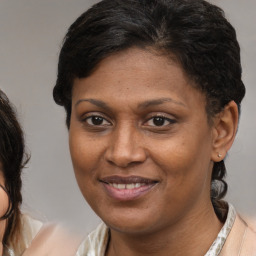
[4,201]
[140,142]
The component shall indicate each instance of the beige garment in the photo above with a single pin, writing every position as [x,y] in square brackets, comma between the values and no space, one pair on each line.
[53,240]
[45,240]
[241,240]
[231,240]
[96,242]
[30,228]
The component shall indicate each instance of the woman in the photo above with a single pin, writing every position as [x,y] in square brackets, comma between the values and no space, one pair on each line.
[19,233]
[17,230]
[152,92]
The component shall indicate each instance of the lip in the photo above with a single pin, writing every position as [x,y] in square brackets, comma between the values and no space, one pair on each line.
[127,188]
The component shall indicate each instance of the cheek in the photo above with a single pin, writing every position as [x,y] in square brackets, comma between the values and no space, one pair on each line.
[187,179]
[184,159]
[82,147]
[86,154]
[4,202]
[86,157]
[82,153]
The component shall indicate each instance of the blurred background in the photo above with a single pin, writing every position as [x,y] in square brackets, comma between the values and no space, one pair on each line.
[31,33]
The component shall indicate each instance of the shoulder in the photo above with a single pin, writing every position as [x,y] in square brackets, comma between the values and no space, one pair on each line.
[53,239]
[242,240]
[249,242]
[30,227]
[95,243]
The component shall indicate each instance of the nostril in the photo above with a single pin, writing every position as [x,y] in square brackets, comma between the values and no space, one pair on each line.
[124,165]
[126,158]
[125,147]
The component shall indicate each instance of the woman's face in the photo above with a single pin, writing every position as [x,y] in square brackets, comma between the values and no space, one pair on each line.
[3,207]
[140,142]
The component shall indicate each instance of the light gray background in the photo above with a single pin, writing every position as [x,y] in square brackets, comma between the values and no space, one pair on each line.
[31,32]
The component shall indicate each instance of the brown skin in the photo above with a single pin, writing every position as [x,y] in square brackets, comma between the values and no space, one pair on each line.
[3,208]
[170,219]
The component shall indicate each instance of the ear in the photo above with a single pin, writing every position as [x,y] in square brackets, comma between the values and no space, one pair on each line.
[224,131]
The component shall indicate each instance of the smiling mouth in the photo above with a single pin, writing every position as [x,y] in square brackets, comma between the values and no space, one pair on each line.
[127,188]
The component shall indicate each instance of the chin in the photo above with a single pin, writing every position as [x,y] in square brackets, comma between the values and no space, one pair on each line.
[130,223]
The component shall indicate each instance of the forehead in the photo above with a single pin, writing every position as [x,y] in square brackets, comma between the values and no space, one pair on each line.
[137,75]
[140,60]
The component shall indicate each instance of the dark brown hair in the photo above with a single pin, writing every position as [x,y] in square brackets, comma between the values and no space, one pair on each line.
[12,158]
[195,32]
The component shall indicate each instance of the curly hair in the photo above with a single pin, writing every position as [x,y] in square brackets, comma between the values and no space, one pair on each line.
[193,32]
[13,159]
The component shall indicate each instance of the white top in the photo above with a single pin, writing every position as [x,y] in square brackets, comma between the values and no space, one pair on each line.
[96,242]
[49,239]
[30,227]
[219,242]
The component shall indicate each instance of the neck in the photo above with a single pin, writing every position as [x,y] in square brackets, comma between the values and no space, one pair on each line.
[193,235]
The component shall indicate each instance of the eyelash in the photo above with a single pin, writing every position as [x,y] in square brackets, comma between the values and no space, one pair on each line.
[103,122]
[97,118]
[161,118]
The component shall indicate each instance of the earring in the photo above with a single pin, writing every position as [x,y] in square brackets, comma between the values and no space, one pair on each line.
[10,205]
[219,155]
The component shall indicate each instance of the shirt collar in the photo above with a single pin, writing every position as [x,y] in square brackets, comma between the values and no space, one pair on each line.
[97,241]
[219,242]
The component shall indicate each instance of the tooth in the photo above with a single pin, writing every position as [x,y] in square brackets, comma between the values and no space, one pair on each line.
[115,185]
[130,186]
[127,186]
[121,186]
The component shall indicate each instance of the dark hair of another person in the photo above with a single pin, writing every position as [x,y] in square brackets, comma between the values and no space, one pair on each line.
[194,33]
[12,158]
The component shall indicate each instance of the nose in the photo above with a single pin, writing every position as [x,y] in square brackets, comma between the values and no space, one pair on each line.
[125,147]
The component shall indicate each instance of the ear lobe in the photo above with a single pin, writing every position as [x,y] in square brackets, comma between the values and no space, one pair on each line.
[225,127]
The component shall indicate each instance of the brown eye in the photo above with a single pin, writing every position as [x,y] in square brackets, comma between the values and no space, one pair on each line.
[159,121]
[97,121]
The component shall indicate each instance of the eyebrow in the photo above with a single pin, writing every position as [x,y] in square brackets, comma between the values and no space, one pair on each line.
[142,105]
[160,101]
[97,103]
